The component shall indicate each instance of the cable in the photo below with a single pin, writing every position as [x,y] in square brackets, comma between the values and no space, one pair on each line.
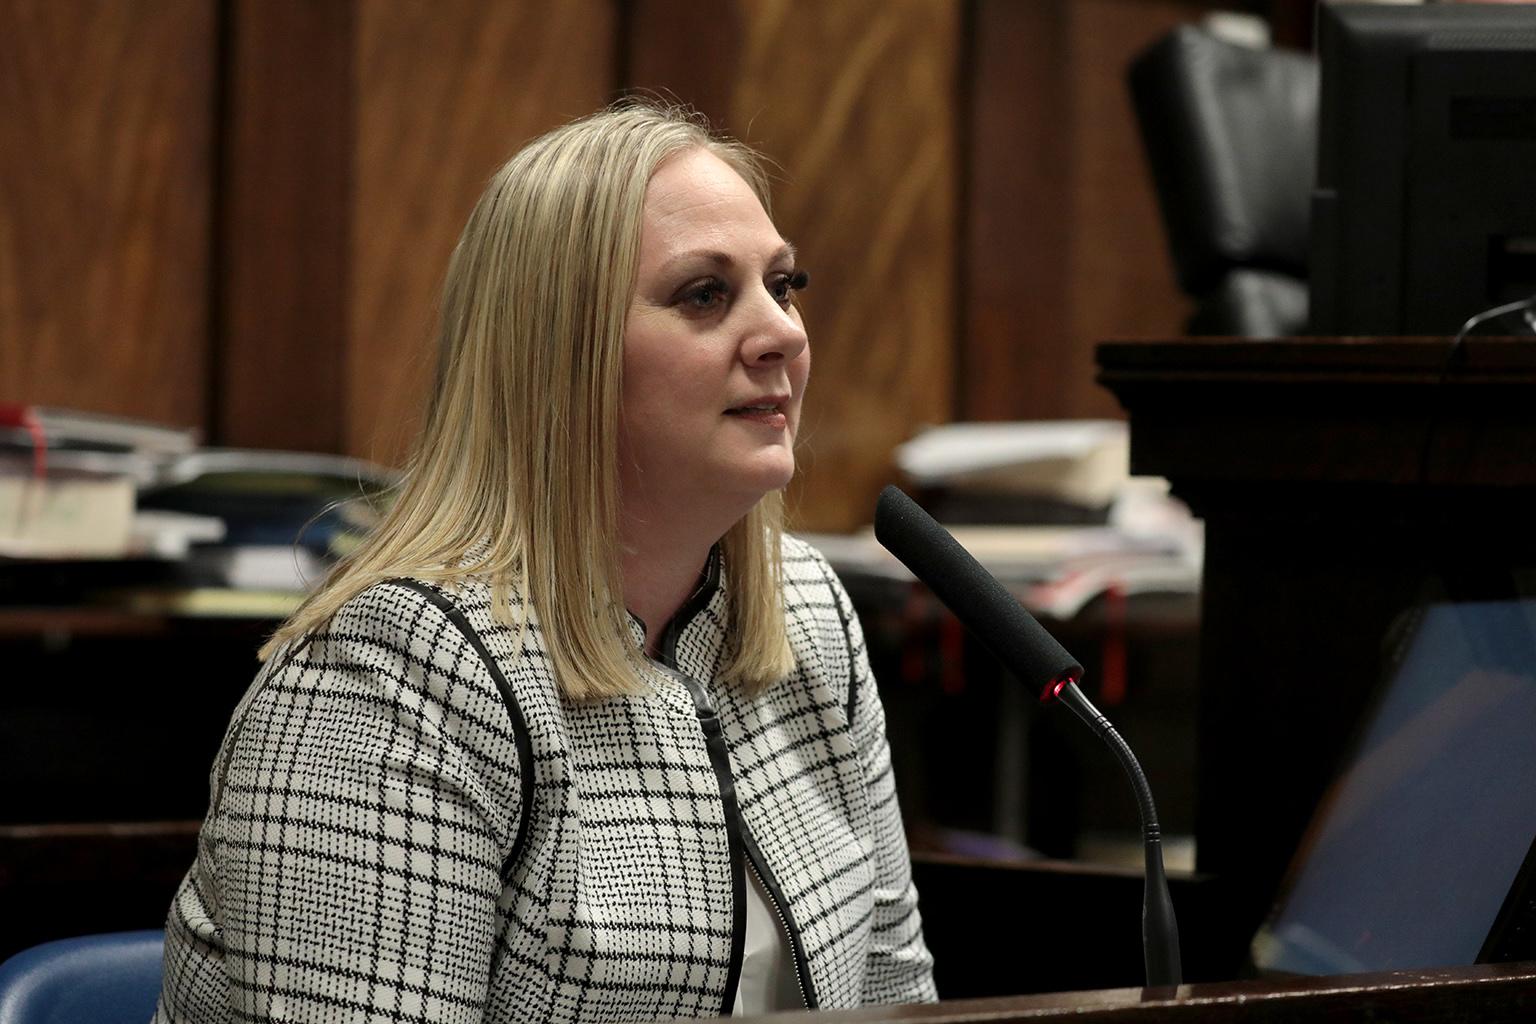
[1528,306]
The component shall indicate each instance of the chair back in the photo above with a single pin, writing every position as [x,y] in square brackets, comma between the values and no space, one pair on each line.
[1230,134]
[94,979]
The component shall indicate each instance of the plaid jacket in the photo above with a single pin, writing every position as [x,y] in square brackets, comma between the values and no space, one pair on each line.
[408,824]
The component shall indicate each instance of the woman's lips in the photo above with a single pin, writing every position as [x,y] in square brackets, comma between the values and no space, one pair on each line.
[769,416]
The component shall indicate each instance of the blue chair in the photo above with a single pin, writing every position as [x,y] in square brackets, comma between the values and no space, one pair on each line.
[94,979]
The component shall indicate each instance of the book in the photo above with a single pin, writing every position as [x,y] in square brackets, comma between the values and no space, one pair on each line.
[65,516]
[1082,462]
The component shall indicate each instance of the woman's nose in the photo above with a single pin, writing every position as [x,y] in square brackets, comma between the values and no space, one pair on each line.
[776,336]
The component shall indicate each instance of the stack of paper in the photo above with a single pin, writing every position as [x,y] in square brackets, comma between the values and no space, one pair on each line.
[68,482]
[1082,462]
[1075,471]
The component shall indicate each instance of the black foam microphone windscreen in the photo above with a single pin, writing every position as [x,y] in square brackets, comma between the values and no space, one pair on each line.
[976,597]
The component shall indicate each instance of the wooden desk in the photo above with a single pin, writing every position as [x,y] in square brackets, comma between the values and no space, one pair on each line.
[1495,994]
[112,715]
[1340,482]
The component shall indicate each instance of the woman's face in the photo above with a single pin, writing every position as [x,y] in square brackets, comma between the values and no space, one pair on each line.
[715,354]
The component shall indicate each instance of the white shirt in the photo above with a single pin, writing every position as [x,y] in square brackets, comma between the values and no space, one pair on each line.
[768,980]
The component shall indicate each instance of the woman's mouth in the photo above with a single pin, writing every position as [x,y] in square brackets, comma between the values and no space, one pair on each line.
[768,414]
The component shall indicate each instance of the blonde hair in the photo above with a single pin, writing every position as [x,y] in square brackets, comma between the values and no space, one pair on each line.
[520,443]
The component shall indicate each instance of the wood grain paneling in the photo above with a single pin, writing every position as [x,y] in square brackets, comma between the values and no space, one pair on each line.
[963,176]
[446,91]
[1122,274]
[361,133]
[285,205]
[1019,151]
[858,103]
[1065,247]
[105,149]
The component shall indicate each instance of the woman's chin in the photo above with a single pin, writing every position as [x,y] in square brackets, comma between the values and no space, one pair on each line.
[766,476]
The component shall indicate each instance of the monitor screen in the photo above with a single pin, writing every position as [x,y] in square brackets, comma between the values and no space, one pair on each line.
[1414,849]
[1424,212]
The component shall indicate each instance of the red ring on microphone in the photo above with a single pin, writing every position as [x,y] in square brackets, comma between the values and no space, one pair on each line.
[1055,686]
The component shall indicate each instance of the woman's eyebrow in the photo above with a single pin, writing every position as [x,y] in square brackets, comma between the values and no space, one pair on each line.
[718,258]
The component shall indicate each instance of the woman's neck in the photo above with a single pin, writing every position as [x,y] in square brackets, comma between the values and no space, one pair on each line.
[656,588]
[662,557]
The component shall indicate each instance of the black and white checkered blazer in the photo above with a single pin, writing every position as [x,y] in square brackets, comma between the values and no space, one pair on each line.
[408,823]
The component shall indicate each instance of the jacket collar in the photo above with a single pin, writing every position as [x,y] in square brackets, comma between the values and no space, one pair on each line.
[691,642]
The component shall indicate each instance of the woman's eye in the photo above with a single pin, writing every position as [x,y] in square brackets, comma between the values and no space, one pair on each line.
[783,286]
[703,296]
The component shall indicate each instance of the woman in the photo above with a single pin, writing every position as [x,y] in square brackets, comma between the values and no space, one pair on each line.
[578,735]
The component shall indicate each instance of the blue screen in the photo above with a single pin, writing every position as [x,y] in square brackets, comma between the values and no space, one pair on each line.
[1417,843]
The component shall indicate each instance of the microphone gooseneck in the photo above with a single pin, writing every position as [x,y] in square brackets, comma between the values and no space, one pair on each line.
[1159,926]
[1024,647]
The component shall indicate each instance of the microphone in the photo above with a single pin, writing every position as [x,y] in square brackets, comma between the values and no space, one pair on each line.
[1023,646]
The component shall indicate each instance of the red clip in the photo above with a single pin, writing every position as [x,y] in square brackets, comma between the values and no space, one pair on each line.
[25,417]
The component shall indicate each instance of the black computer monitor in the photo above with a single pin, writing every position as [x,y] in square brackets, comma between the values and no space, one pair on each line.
[1425,208]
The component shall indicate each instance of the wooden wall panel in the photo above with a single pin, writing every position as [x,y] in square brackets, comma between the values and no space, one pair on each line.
[858,102]
[446,91]
[285,204]
[1122,274]
[105,147]
[1065,247]
[963,176]
[1016,283]
[361,134]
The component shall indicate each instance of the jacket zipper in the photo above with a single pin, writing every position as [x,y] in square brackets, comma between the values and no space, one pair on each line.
[742,845]
[714,742]
[796,949]
[739,839]
[744,851]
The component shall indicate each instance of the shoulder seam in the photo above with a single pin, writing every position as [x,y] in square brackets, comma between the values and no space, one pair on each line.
[842,617]
[276,665]
[509,698]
